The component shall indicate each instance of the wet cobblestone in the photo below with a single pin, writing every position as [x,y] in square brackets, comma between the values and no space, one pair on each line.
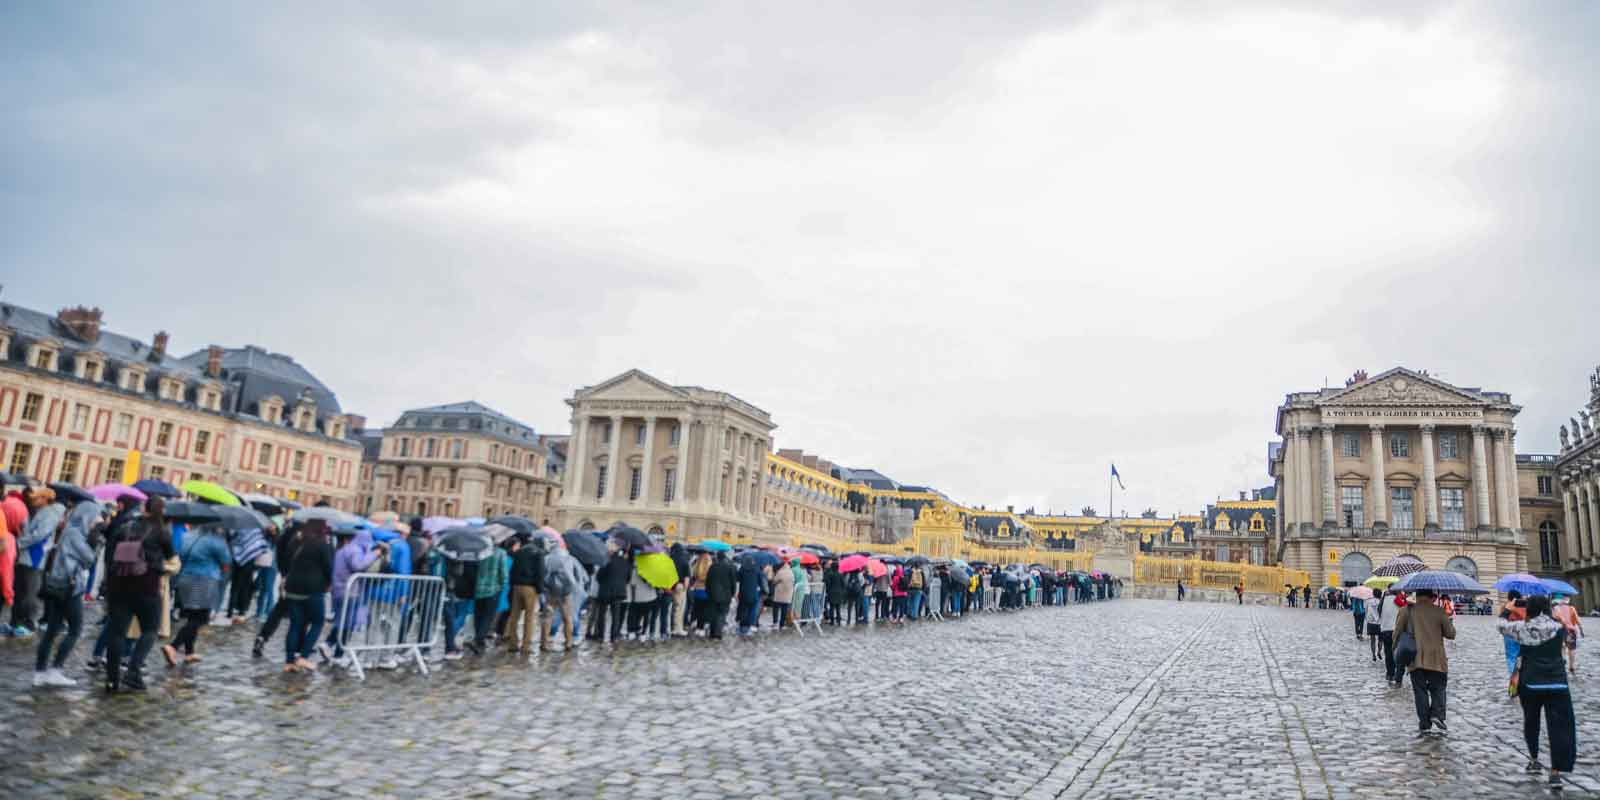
[1114,700]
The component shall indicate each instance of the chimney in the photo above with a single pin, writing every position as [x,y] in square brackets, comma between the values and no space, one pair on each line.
[358,424]
[1011,509]
[82,322]
[158,346]
[1241,495]
[214,361]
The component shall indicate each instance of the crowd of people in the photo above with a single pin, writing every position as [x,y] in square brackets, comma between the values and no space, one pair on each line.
[162,580]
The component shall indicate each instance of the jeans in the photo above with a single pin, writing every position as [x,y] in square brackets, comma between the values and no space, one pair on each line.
[913,604]
[266,591]
[1513,650]
[483,616]
[1389,671]
[779,612]
[124,608]
[1360,620]
[1427,688]
[1557,707]
[664,615]
[193,620]
[864,609]
[955,603]
[58,612]
[244,589]
[749,611]
[25,613]
[305,625]
[455,615]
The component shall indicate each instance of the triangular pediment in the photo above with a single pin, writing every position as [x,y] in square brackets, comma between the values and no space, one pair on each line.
[1401,386]
[633,385]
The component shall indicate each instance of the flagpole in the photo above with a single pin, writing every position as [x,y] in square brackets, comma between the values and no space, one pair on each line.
[1111,495]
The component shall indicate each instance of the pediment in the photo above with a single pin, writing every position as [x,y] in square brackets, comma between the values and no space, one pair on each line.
[1404,387]
[633,385]
[1352,475]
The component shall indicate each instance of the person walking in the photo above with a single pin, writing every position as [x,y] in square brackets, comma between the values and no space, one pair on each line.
[62,584]
[1180,590]
[1374,620]
[527,576]
[1512,610]
[721,580]
[139,557]
[8,561]
[356,553]
[1542,686]
[1389,614]
[1238,591]
[1429,625]
[307,567]
[205,559]
[1358,610]
[1562,611]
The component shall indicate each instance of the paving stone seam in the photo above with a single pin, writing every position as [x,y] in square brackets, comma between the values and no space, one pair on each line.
[1296,736]
[1113,727]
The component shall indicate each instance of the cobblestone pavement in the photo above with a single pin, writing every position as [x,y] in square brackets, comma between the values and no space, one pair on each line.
[1125,699]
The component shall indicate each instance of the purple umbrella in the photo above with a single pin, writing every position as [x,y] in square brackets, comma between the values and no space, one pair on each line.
[112,492]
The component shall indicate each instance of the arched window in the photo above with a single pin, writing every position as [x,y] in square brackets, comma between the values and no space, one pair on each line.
[1463,565]
[586,525]
[1549,544]
[1354,568]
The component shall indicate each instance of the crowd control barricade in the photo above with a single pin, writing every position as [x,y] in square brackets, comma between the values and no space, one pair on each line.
[932,598]
[390,615]
[810,611]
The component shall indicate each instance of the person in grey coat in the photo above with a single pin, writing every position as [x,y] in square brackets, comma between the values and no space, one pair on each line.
[65,573]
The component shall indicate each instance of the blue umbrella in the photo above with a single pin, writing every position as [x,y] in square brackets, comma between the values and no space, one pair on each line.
[1521,582]
[157,488]
[761,557]
[1440,582]
[715,545]
[1558,587]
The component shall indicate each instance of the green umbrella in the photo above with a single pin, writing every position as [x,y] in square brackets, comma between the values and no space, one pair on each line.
[211,493]
[1381,581]
[656,569]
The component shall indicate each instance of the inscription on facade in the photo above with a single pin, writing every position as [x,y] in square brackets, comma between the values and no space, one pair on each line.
[1402,413]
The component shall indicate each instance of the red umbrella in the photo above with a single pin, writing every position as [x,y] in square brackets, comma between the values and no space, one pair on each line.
[852,563]
[876,568]
[808,559]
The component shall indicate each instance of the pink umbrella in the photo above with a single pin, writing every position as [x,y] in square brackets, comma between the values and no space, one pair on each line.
[852,563]
[553,535]
[876,568]
[110,492]
[1360,593]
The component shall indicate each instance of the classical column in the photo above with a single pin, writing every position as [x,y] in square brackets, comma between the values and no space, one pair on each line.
[1380,491]
[1480,477]
[612,467]
[1330,507]
[1430,482]
[649,466]
[578,455]
[1502,483]
[708,458]
[1514,496]
[1291,482]
[1306,502]
[1569,499]
[680,498]
[1591,485]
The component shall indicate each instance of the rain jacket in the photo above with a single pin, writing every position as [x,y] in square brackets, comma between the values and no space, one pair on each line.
[399,564]
[720,582]
[8,561]
[613,579]
[802,584]
[639,589]
[783,585]
[833,584]
[205,555]
[751,579]
[493,575]
[1543,665]
[559,561]
[356,556]
[1430,626]
[75,555]
[34,542]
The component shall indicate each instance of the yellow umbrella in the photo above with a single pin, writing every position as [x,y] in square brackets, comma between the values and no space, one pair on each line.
[211,493]
[1381,581]
[656,569]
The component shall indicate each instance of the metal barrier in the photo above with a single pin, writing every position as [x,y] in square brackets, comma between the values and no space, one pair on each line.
[381,612]
[932,597]
[810,611]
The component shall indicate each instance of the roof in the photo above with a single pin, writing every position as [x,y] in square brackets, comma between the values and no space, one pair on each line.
[30,325]
[870,477]
[256,374]
[472,416]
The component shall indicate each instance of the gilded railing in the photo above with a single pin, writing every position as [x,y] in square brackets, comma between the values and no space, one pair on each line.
[1216,574]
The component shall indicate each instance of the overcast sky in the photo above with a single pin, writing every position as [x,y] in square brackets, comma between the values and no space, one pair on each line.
[988,251]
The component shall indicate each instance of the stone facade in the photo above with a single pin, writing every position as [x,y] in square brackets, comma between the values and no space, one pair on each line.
[86,405]
[1578,467]
[458,460]
[1538,489]
[1398,463]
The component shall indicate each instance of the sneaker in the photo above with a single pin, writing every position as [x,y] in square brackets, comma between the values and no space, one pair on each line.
[452,655]
[1443,728]
[1533,767]
[133,682]
[5,630]
[257,648]
[1555,782]
[41,679]
[94,664]
[21,632]
[325,651]
[387,662]
[57,678]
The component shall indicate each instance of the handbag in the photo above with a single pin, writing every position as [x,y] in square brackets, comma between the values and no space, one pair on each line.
[1405,648]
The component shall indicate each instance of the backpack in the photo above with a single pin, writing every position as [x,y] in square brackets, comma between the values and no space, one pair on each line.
[462,578]
[557,578]
[915,580]
[128,558]
[852,584]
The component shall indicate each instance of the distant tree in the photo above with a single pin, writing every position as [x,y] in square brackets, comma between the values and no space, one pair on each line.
[1087,511]
[1148,513]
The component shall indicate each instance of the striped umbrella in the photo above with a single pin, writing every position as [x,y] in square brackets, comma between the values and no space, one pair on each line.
[1399,567]
[1440,581]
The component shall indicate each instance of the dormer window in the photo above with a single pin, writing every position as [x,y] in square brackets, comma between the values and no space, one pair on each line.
[170,389]
[211,399]
[88,368]
[5,345]
[305,418]
[42,357]
[131,379]
[272,410]
[336,430]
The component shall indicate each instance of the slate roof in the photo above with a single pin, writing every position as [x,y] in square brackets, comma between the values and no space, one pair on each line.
[870,477]
[469,416]
[256,374]
[28,325]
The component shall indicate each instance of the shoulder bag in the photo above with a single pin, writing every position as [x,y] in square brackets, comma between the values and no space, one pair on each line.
[1405,644]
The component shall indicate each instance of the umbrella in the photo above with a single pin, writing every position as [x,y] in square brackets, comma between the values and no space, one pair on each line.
[1361,592]
[630,538]
[656,569]
[552,536]
[1380,581]
[1399,567]
[760,558]
[498,533]
[916,561]
[236,518]
[820,550]
[715,545]
[290,504]
[1558,586]
[521,525]
[474,521]
[1441,581]
[211,493]
[852,563]
[72,494]
[192,513]
[589,551]
[383,518]
[876,568]
[464,544]
[329,515]
[960,574]
[436,524]
[157,488]
[1522,583]
[266,503]
[807,558]
[112,492]
[956,562]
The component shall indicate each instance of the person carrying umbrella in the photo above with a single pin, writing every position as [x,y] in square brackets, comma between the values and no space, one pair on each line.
[611,597]
[133,587]
[527,576]
[1513,610]
[1541,686]
[1429,625]
[45,517]
[720,583]
[752,579]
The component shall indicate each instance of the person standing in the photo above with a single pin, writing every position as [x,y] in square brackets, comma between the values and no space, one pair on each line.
[721,579]
[751,581]
[133,592]
[8,563]
[915,580]
[62,587]
[1358,610]
[782,594]
[205,558]
[1429,625]
[680,591]
[45,518]
[564,584]
[307,566]
[1374,619]
[527,576]
[1543,687]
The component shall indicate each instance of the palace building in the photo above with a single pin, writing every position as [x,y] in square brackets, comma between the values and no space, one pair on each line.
[1578,469]
[458,460]
[82,404]
[1398,463]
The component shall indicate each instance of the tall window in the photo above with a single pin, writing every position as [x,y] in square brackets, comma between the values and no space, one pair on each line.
[494,454]
[114,467]
[458,447]
[427,448]
[331,469]
[1352,445]
[671,484]
[672,435]
[299,461]
[124,427]
[69,467]
[1547,485]
[1401,507]
[1399,445]
[1222,552]
[1353,506]
[605,431]
[158,472]
[635,479]
[1449,446]
[164,434]
[202,442]
[405,447]
[21,455]
[30,407]
[80,418]
[600,483]
[727,439]
[1549,544]
[638,435]
[264,460]
[1453,508]
[454,475]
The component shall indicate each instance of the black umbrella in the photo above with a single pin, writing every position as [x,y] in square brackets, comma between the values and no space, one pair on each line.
[521,525]
[290,504]
[589,551]
[193,513]
[631,538]
[916,561]
[12,479]
[234,518]
[820,550]
[71,493]
[464,544]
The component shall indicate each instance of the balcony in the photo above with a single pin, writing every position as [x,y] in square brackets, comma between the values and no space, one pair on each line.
[1410,535]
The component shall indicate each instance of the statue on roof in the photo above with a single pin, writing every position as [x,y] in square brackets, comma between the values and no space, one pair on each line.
[1577,432]
[1566,440]
[1588,425]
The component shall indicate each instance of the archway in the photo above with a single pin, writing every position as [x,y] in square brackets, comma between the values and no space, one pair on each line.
[1463,565]
[585,525]
[1354,568]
